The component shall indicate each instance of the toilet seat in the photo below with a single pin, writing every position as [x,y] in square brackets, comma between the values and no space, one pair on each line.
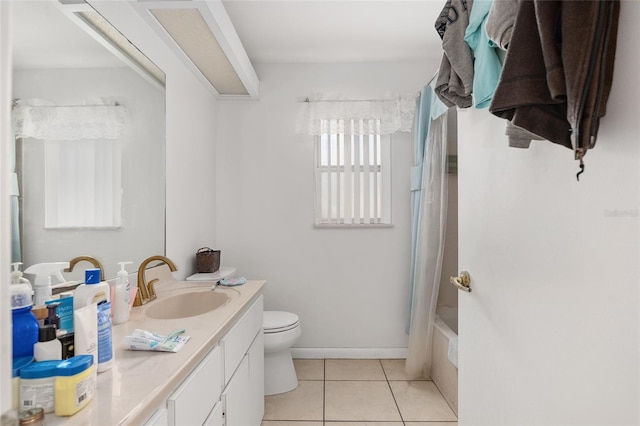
[279,321]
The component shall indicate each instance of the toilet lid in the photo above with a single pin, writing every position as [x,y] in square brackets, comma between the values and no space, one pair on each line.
[274,321]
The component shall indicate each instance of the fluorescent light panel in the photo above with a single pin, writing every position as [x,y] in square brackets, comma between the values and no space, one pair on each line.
[120,42]
[191,33]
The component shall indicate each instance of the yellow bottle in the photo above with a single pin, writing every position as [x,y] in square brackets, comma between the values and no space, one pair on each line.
[75,384]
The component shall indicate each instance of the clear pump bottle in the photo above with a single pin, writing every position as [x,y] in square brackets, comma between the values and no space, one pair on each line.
[122,302]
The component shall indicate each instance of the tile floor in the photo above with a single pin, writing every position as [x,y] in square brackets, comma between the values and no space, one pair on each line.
[357,392]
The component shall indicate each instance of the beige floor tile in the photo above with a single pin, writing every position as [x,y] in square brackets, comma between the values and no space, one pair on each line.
[363,424]
[359,401]
[309,369]
[353,369]
[431,423]
[394,370]
[289,423]
[421,401]
[303,403]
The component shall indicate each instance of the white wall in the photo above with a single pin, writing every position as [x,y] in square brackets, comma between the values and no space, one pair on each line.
[191,149]
[5,212]
[143,159]
[550,334]
[349,286]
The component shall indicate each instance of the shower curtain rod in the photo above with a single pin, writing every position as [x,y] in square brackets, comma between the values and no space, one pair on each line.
[14,103]
[308,100]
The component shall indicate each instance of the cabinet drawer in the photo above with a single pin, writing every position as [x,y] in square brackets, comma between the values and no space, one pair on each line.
[237,340]
[192,402]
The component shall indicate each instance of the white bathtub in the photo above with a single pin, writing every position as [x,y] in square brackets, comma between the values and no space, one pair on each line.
[443,372]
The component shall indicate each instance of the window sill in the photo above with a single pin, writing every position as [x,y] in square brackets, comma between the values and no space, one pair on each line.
[352,225]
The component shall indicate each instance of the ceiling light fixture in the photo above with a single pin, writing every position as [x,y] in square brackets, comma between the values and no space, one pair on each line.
[202,35]
[113,40]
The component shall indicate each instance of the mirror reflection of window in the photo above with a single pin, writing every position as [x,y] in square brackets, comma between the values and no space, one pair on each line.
[56,60]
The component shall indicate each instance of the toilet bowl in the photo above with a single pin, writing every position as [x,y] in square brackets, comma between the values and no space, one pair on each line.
[281,330]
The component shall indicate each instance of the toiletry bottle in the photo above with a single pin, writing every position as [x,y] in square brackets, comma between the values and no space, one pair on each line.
[48,347]
[75,385]
[92,291]
[16,275]
[42,280]
[64,312]
[85,334]
[52,316]
[122,303]
[24,324]
[105,340]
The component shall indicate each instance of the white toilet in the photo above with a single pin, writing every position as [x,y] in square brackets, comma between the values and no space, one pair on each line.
[281,330]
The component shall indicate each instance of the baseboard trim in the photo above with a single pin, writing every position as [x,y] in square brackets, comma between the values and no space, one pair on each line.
[353,353]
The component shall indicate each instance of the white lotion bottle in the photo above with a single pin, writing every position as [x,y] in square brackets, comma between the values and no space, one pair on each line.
[92,291]
[122,302]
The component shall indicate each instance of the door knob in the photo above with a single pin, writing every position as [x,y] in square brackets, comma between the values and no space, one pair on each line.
[462,282]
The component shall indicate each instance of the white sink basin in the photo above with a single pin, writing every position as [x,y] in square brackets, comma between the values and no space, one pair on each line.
[186,305]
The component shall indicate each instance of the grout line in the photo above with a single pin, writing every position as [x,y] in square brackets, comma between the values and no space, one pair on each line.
[324,390]
[392,394]
[445,399]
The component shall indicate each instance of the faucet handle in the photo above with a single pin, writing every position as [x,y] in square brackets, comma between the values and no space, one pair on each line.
[152,291]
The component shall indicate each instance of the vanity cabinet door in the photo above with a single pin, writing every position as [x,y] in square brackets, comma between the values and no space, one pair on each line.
[194,399]
[237,340]
[244,394]
[215,418]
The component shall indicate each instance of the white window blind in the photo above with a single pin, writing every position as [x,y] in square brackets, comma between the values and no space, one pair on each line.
[352,178]
[83,184]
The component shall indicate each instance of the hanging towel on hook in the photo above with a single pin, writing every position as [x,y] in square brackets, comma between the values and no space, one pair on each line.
[455,76]
[486,64]
[558,70]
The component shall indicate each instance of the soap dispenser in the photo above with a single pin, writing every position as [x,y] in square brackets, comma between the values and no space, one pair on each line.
[122,301]
[48,347]
[24,324]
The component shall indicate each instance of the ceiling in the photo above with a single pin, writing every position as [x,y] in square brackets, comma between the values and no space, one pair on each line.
[43,37]
[271,31]
[336,31]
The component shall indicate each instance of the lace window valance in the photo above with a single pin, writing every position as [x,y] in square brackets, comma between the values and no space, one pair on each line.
[395,115]
[52,122]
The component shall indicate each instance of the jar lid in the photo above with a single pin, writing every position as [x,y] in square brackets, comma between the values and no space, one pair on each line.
[32,416]
[39,370]
[19,363]
[75,365]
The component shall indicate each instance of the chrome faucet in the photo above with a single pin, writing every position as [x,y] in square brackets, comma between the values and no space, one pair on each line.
[73,262]
[146,293]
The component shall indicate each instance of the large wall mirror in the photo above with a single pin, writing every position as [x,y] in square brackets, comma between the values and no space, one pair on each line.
[57,64]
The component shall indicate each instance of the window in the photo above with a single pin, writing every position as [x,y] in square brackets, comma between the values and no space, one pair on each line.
[352,174]
[82,147]
[83,184]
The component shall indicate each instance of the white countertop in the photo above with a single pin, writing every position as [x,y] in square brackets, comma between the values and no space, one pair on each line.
[140,381]
[223,272]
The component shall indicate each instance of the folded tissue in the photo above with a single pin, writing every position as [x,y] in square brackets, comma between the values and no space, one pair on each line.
[143,340]
[232,281]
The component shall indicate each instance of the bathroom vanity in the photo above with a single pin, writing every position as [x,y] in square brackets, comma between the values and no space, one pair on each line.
[217,378]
